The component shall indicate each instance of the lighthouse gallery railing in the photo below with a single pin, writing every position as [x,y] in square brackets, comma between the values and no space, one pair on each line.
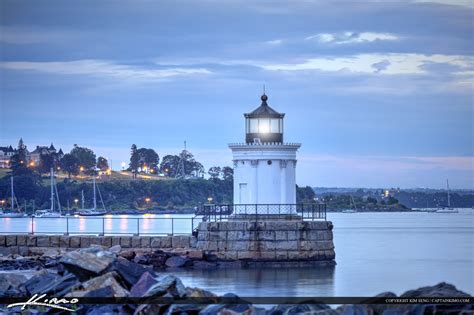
[304,211]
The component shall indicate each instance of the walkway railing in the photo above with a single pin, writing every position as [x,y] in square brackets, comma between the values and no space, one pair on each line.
[303,211]
[71,225]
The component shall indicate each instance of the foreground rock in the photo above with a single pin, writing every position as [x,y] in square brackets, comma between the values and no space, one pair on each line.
[87,263]
[97,272]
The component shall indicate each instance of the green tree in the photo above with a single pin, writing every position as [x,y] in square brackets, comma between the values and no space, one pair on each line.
[134,160]
[85,157]
[102,164]
[70,164]
[228,173]
[46,163]
[191,166]
[372,200]
[169,165]
[148,159]
[19,161]
[214,172]
[392,201]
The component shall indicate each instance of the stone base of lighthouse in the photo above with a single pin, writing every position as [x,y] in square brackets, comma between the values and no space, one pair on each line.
[271,240]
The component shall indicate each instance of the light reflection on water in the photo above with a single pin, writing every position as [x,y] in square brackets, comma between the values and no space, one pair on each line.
[375,252]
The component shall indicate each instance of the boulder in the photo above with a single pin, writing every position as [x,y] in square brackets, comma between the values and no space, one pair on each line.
[50,252]
[109,280]
[141,259]
[176,261]
[239,307]
[87,263]
[442,289]
[115,249]
[60,286]
[11,280]
[39,281]
[148,309]
[200,293]
[157,259]
[146,281]
[353,310]
[127,254]
[165,285]
[242,309]
[287,309]
[130,271]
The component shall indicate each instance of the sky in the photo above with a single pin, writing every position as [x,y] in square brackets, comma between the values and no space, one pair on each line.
[380,94]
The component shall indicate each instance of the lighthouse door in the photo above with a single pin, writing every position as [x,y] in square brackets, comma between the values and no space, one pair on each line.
[242,193]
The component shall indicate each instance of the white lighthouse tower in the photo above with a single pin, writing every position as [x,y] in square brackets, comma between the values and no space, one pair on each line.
[264,166]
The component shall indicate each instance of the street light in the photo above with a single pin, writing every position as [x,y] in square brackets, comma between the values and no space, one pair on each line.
[81,168]
[3,203]
[76,201]
[209,199]
[147,200]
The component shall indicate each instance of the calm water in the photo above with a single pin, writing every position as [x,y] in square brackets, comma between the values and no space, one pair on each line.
[375,252]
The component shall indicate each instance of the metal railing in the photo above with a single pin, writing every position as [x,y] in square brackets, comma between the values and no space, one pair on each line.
[70,225]
[303,211]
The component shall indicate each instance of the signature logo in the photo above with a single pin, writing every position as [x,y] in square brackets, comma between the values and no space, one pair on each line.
[39,300]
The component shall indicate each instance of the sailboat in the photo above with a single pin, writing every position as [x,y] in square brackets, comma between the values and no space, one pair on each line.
[94,211]
[448,208]
[13,213]
[351,210]
[51,213]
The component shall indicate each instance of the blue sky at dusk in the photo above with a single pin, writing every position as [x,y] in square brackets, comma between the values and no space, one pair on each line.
[380,94]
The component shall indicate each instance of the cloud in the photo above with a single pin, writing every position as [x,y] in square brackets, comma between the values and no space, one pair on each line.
[274,42]
[23,36]
[381,63]
[397,163]
[465,3]
[102,68]
[351,37]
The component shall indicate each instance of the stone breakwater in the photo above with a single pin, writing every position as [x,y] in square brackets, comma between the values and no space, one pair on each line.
[97,272]
[268,240]
[277,242]
[26,245]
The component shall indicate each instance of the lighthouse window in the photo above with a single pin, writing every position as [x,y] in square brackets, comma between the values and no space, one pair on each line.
[264,125]
[253,125]
[274,126]
[269,162]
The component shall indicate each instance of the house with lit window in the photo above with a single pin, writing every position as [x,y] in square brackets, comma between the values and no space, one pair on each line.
[5,155]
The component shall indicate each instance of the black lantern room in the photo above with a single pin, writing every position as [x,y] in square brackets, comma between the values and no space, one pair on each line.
[264,124]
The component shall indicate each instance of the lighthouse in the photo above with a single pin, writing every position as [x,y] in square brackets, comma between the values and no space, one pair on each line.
[264,165]
[265,224]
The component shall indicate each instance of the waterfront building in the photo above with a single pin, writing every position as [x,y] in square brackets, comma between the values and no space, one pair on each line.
[5,155]
[35,155]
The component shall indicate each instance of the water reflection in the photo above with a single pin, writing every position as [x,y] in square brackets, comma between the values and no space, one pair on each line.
[123,223]
[305,281]
[82,224]
[108,224]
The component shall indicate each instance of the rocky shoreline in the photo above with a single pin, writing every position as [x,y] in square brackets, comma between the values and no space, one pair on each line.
[97,272]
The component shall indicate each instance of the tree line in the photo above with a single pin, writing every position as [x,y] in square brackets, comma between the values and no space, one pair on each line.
[82,160]
[186,191]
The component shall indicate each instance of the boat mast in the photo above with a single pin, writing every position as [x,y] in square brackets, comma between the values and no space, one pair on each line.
[82,199]
[95,199]
[13,194]
[52,190]
[449,197]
